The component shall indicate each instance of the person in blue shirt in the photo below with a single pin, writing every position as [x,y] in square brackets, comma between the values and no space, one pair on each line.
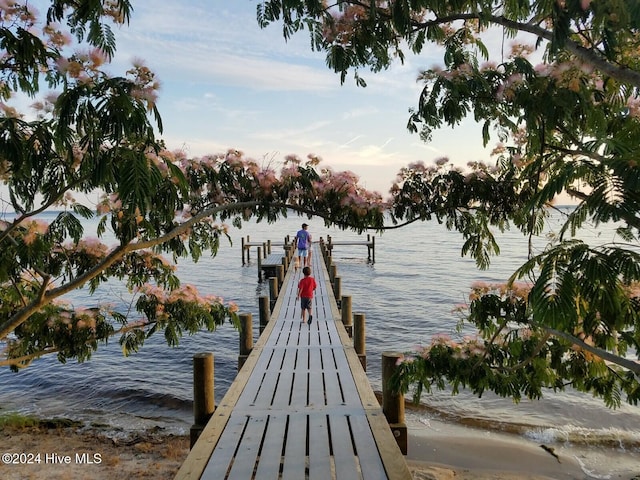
[302,242]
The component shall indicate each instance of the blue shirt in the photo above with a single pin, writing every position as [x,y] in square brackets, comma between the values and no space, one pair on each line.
[302,239]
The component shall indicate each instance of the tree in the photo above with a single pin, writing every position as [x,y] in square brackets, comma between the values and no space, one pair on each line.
[564,108]
[97,133]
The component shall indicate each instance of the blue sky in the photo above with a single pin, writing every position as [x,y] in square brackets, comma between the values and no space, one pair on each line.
[228,84]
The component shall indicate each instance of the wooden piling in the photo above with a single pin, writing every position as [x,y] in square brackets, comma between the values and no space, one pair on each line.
[280,274]
[246,338]
[337,290]
[203,393]
[392,402]
[242,248]
[373,249]
[359,338]
[345,312]
[264,311]
[273,292]
[259,264]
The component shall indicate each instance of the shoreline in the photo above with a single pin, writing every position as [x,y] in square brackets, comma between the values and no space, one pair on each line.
[436,452]
[464,454]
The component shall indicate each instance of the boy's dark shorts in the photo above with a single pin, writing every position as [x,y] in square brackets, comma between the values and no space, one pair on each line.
[305,303]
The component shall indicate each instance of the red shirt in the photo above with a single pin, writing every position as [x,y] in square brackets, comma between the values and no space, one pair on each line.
[306,286]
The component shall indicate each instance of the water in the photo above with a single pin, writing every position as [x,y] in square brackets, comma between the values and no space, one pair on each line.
[407,297]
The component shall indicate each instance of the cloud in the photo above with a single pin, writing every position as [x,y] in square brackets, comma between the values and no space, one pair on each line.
[212,44]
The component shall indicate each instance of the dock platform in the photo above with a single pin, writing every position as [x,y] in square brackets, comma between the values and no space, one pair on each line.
[301,407]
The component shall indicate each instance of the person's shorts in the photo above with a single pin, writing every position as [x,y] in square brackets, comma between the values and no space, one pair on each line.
[305,303]
[302,252]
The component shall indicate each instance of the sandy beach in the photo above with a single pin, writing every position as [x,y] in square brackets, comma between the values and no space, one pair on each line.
[73,453]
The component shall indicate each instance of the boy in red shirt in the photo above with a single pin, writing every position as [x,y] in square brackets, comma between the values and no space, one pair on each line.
[306,287]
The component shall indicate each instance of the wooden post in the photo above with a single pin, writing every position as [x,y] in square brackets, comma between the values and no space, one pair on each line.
[203,393]
[246,338]
[268,247]
[285,264]
[393,403]
[259,264]
[265,312]
[359,339]
[347,320]
[248,250]
[242,247]
[264,249]
[373,249]
[337,290]
[273,291]
[333,271]
[280,274]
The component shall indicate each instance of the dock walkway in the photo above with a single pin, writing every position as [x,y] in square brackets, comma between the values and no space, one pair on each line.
[301,407]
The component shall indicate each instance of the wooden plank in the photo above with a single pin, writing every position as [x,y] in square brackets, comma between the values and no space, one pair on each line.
[256,388]
[394,462]
[332,389]
[282,397]
[224,453]
[347,382]
[247,453]
[295,455]
[344,458]
[366,448]
[316,389]
[299,391]
[319,455]
[272,449]
[347,242]
[323,334]
[272,260]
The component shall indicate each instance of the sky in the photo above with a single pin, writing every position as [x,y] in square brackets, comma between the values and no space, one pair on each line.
[226,83]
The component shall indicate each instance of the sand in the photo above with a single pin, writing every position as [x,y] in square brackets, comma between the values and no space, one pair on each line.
[73,453]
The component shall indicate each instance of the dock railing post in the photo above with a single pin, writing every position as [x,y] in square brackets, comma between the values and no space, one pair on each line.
[359,339]
[246,338]
[373,249]
[268,247]
[337,290]
[242,247]
[265,312]
[248,249]
[203,393]
[392,402]
[280,274]
[259,264]
[346,317]
[273,292]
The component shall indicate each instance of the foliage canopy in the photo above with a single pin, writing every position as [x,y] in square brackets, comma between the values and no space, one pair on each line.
[562,105]
[564,111]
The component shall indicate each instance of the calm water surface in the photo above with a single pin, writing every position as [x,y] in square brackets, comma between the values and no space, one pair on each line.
[407,296]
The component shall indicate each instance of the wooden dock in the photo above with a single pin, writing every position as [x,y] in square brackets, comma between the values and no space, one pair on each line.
[264,248]
[301,407]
